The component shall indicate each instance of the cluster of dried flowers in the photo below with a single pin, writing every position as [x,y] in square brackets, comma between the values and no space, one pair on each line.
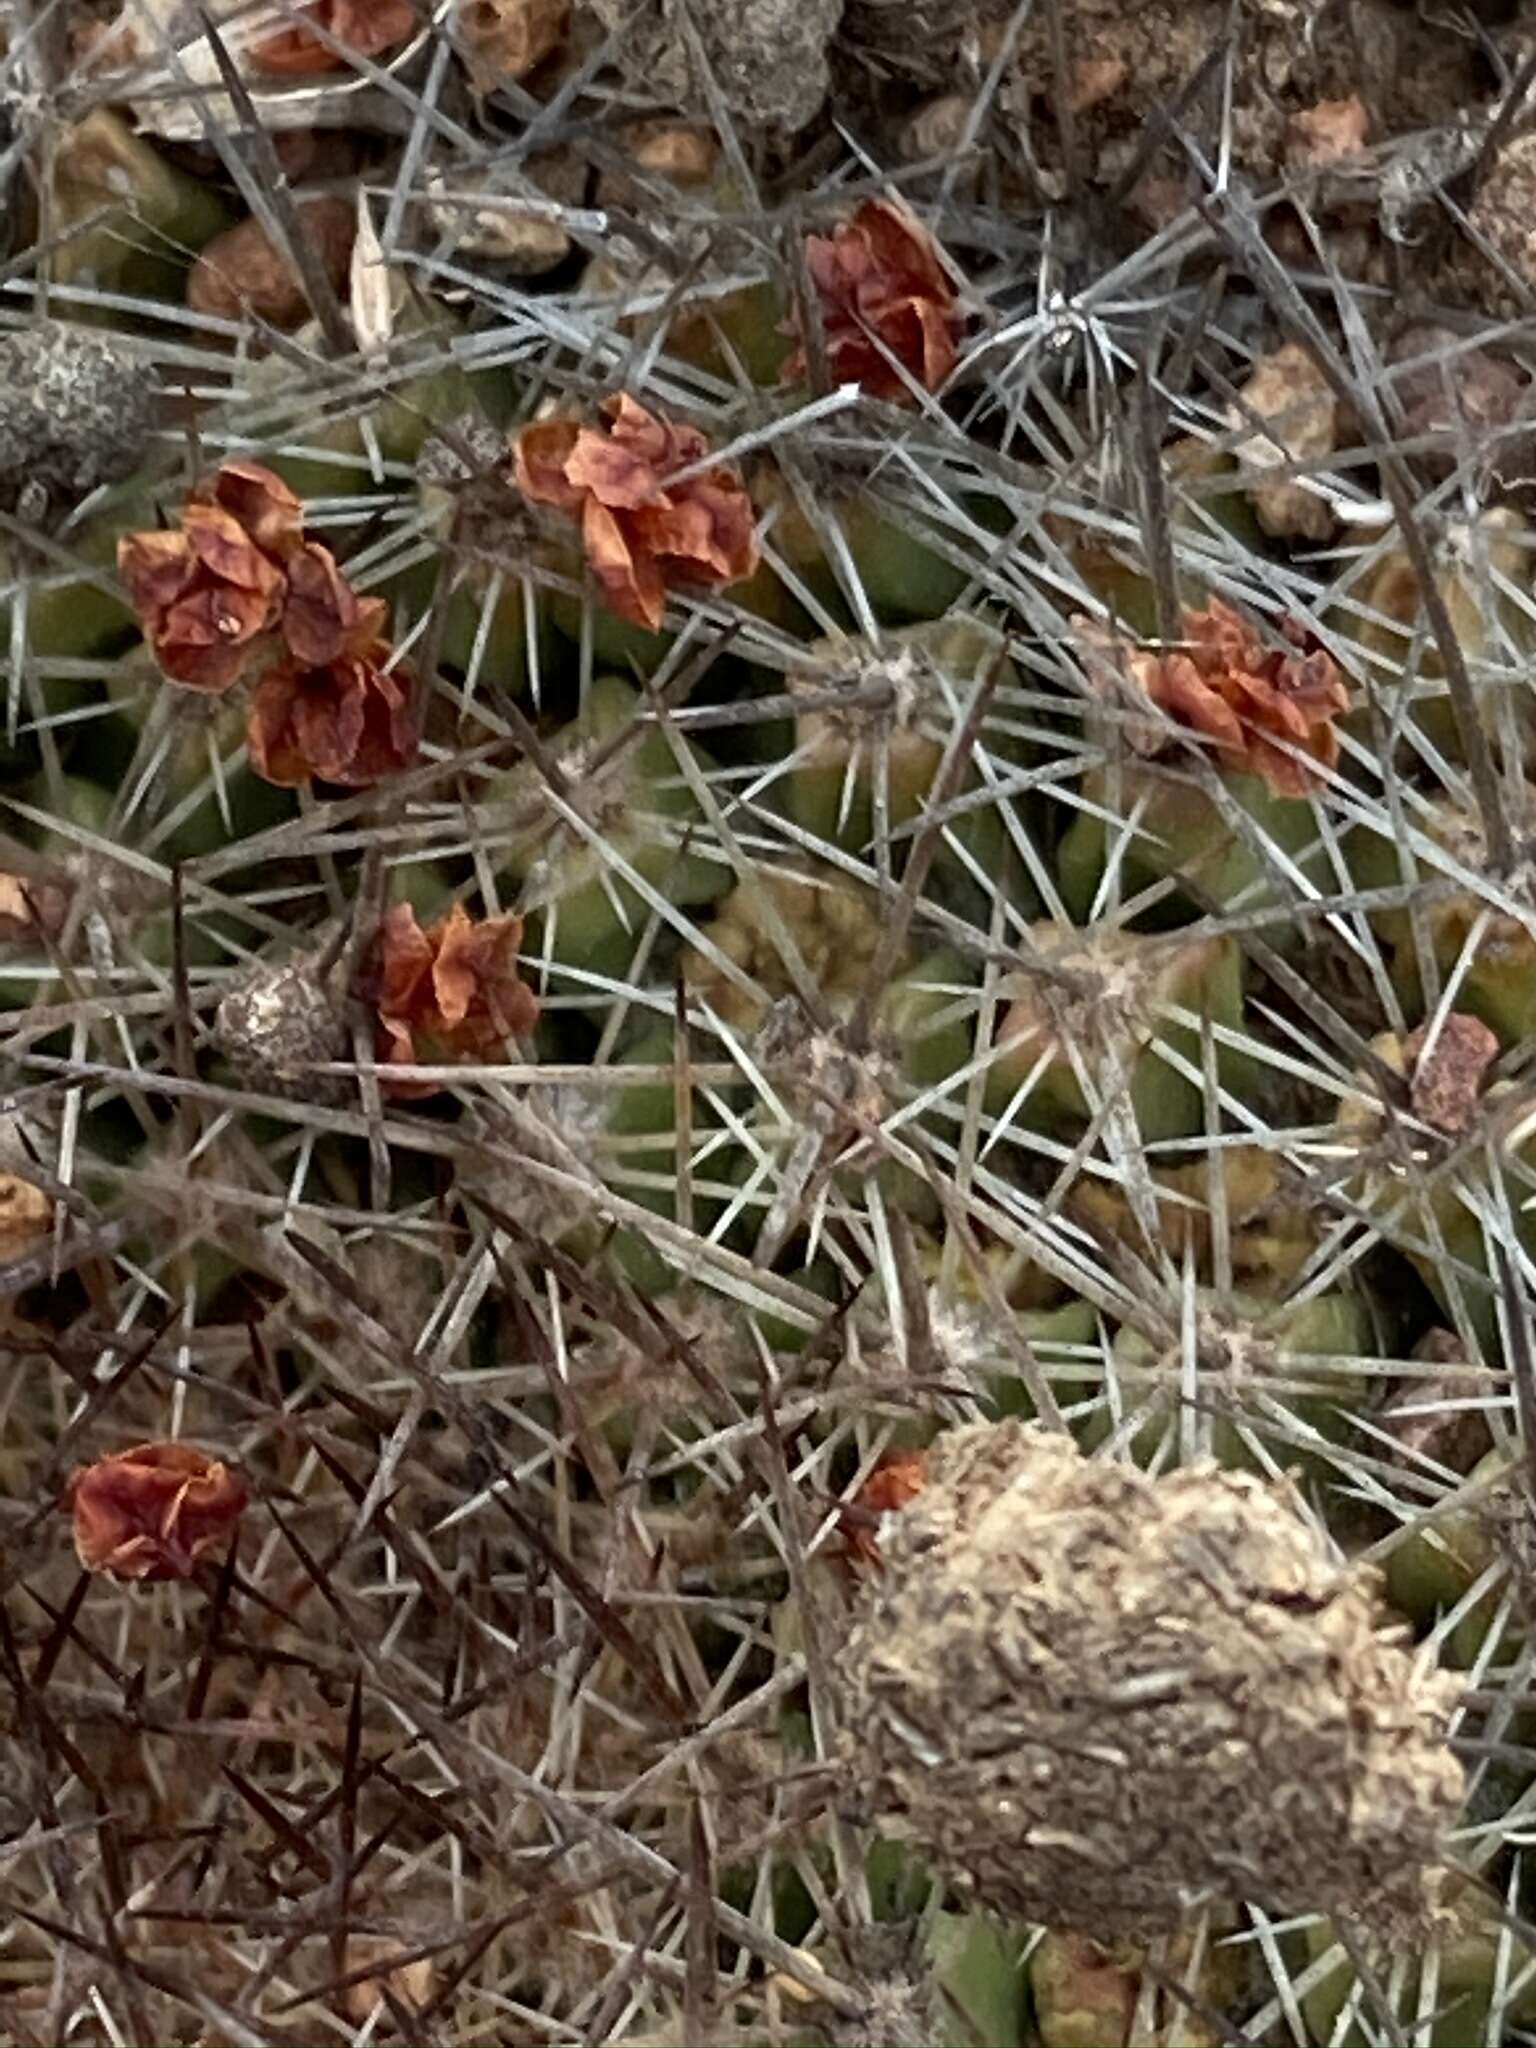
[653,510]
[1268,711]
[238,591]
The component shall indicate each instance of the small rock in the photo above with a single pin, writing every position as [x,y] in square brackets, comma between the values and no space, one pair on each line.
[76,410]
[280,1024]
[768,58]
[1288,389]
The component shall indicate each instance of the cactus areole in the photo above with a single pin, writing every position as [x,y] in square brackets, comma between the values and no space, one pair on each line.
[1096,1700]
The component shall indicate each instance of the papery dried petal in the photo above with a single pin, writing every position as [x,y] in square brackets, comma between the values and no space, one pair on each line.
[897,1478]
[540,454]
[629,575]
[348,721]
[261,503]
[481,999]
[156,568]
[1269,711]
[453,991]
[224,548]
[153,1512]
[324,616]
[883,293]
[634,518]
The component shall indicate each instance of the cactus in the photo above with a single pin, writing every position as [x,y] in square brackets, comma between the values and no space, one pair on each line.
[868,795]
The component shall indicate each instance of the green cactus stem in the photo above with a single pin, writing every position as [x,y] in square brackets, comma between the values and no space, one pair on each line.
[130,221]
[1483,577]
[639,807]
[1467,1954]
[1257,1365]
[879,759]
[1104,995]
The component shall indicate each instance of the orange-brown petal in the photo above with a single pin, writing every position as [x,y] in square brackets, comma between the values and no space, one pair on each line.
[615,471]
[321,616]
[627,573]
[152,1512]
[540,453]
[480,995]
[263,505]
[156,568]
[224,548]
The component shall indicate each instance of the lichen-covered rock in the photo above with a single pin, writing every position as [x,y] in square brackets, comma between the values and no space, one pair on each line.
[278,1025]
[767,57]
[1095,1699]
[77,409]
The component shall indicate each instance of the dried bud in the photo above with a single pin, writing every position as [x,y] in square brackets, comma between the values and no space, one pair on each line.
[242,271]
[1095,1699]
[639,535]
[348,720]
[1448,1083]
[896,1479]
[1268,713]
[368,28]
[279,1024]
[883,293]
[507,39]
[450,992]
[77,409]
[155,1511]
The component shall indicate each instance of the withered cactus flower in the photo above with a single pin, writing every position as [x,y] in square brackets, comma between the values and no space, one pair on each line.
[640,535]
[368,28]
[204,596]
[207,595]
[1268,712]
[155,1511]
[896,1479]
[883,292]
[346,718]
[450,992]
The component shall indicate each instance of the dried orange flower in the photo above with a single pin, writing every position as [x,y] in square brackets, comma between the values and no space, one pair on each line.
[206,596]
[884,293]
[638,534]
[897,1478]
[203,596]
[450,992]
[155,1511]
[367,27]
[1269,712]
[346,719]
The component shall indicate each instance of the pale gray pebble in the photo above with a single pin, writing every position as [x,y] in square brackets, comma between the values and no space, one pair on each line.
[767,57]
[77,409]
[278,1025]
